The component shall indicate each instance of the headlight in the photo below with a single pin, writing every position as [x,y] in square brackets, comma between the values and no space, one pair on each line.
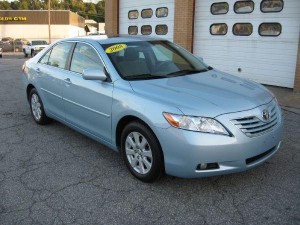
[194,123]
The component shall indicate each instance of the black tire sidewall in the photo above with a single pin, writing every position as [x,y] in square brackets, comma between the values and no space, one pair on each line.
[157,156]
[44,119]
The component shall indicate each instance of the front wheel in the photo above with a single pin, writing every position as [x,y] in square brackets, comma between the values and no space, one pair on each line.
[37,108]
[141,152]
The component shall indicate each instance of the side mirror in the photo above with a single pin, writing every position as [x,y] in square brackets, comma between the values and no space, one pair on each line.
[94,74]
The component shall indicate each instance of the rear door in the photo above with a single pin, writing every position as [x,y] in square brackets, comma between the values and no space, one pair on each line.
[88,103]
[51,77]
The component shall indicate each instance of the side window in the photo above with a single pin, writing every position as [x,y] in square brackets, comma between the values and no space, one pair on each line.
[243,7]
[218,29]
[269,29]
[84,57]
[162,53]
[242,29]
[162,12]
[45,58]
[269,6]
[59,55]
[219,8]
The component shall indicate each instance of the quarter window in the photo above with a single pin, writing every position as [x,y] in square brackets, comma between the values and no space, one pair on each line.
[218,29]
[133,14]
[219,8]
[161,29]
[242,29]
[269,6]
[243,7]
[45,58]
[132,30]
[162,12]
[84,57]
[146,30]
[59,54]
[147,13]
[269,29]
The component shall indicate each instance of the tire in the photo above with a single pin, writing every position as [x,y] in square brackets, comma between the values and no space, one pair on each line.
[143,158]
[1,56]
[25,54]
[32,53]
[37,108]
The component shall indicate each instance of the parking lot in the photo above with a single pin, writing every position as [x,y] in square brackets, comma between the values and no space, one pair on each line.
[54,175]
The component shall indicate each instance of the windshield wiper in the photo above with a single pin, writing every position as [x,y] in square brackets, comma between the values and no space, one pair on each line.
[144,76]
[184,72]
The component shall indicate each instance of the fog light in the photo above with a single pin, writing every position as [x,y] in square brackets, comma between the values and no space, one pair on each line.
[207,166]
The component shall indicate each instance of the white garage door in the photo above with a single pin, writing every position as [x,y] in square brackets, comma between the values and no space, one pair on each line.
[255,39]
[144,17]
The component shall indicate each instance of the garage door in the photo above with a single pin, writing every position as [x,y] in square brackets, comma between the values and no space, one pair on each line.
[143,17]
[255,39]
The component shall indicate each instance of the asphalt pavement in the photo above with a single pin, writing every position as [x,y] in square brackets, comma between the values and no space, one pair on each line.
[54,175]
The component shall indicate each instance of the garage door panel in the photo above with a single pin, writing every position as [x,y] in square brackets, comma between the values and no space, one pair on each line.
[270,60]
[125,22]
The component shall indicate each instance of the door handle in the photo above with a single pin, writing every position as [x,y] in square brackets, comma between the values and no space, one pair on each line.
[68,81]
[38,70]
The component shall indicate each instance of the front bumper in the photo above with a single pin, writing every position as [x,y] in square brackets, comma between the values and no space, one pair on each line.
[185,150]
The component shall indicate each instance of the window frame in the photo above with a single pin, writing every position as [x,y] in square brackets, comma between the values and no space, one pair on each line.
[136,32]
[269,35]
[243,12]
[219,3]
[218,24]
[239,34]
[133,11]
[146,25]
[145,10]
[161,8]
[271,11]
[162,25]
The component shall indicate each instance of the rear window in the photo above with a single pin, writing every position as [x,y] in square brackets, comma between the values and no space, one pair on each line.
[39,43]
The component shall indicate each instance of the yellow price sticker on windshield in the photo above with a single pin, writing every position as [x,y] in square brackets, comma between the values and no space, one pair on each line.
[115,48]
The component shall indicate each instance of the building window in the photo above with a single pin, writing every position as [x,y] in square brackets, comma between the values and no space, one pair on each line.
[219,8]
[146,30]
[243,7]
[161,29]
[218,29]
[132,30]
[162,12]
[269,29]
[269,6]
[147,13]
[133,14]
[242,29]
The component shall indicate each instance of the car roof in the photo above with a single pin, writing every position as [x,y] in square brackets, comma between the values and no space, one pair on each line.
[103,39]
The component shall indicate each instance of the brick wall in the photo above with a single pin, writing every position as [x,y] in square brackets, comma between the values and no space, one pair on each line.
[184,23]
[297,75]
[112,17]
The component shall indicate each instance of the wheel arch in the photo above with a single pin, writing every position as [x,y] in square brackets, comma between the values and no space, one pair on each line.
[126,120]
[28,89]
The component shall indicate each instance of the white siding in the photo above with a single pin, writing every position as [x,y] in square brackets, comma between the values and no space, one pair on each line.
[127,5]
[268,60]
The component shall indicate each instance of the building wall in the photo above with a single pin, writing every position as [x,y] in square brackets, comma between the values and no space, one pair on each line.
[31,32]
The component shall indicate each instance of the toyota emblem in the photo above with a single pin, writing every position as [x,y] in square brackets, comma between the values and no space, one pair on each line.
[265,114]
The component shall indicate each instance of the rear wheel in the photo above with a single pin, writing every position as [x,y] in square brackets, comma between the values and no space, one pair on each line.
[32,53]
[142,152]
[25,54]
[37,108]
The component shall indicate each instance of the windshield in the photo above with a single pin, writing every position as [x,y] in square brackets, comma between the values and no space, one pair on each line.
[39,43]
[152,59]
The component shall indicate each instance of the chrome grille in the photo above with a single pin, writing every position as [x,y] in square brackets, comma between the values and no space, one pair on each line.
[252,126]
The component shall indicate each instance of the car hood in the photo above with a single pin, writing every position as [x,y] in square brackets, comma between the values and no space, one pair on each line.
[210,93]
[40,46]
